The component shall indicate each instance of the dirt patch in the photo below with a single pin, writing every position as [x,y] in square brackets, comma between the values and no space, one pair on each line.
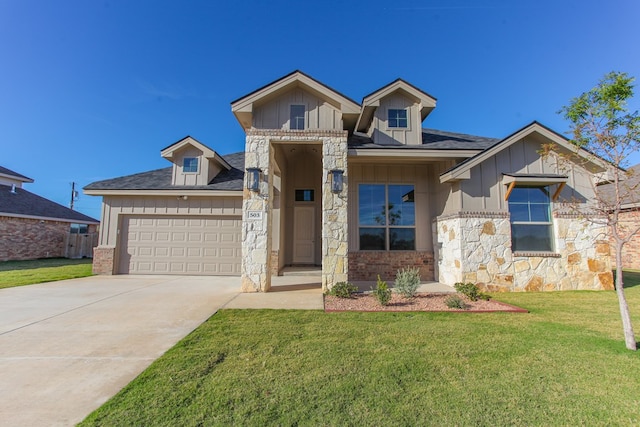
[421,302]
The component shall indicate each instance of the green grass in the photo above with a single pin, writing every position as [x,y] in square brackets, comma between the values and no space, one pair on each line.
[20,273]
[564,363]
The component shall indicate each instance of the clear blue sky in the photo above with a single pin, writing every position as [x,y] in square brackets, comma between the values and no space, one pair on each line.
[91,90]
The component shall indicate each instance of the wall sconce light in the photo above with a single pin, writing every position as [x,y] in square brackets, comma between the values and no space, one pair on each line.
[253,179]
[185,197]
[337,177]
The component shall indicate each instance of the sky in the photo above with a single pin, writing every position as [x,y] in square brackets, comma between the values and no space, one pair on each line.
[91,90]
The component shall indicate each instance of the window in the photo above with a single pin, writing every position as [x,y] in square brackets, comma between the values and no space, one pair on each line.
[386,217]
[190,165]
[531,227]
[397,118]
[304,195]
[79,229]
[297,117]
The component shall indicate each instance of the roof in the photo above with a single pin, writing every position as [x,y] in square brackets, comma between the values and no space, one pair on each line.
[25,203]
[160,179]
[432,139]
[629,188]
[16,175]
[461,170]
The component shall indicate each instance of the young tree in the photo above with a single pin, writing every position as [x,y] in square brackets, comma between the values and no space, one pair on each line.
[602,124]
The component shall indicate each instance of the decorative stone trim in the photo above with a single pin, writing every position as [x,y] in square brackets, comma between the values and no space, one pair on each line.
[275,265]
[537,254]
[304,133]
[367,265]
[104,260]
[471,214]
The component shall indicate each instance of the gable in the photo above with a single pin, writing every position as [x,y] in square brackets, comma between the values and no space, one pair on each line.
[193,162]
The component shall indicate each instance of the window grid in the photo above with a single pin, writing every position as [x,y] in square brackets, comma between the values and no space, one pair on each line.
[531,221]
[190,165]
[397,118]
[297,117]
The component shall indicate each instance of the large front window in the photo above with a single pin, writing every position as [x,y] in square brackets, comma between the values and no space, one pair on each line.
[531,227]
[387,219]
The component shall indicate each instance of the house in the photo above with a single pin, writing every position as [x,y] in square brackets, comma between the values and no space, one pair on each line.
[33,227]
[359,189]
[629,219]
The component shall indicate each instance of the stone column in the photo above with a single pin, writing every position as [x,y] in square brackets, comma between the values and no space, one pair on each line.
[335,250]
[256,217]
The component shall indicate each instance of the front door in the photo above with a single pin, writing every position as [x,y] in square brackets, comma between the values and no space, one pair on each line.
[304,235]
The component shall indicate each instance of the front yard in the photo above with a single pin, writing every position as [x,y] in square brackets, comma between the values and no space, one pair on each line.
[563,363]
[20,273]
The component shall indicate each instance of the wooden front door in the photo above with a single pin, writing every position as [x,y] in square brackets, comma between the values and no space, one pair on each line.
[304,235]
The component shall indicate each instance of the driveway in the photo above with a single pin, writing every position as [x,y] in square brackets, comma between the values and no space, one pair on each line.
[66,347]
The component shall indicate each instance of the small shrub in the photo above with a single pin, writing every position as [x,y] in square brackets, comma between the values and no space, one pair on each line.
[407,282]
[454,301]
[471,291]
[342,290]
[382,292]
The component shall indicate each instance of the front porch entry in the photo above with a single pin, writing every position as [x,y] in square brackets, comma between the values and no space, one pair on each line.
[294,218]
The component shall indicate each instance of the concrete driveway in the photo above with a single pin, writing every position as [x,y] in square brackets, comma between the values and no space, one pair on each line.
[66,347]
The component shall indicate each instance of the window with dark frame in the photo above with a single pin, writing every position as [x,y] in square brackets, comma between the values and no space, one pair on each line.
[190,165]
[386,215]
[397,118]
[531,225]
[304,196]
[297,117]
[79,229]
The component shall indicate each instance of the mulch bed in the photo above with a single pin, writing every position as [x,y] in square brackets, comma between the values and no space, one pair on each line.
[422,302]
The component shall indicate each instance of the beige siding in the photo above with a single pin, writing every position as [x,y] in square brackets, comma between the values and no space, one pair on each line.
[484,191]
[114,207]
[206,169]
[418,175]
[319,114]
[446,197]
[383,134]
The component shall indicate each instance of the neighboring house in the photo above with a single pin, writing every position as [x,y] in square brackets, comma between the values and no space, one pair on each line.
[629,216]
[359,189]
[33,227]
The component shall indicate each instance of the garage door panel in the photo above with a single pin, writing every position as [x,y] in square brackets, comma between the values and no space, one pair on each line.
[181,245]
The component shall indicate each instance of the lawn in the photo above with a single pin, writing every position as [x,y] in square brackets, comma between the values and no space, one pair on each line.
[564,363]
[20,273]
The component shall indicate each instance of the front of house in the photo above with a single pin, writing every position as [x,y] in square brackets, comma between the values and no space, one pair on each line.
[360,190]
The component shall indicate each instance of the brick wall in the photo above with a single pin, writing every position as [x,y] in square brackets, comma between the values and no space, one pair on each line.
[366,265]
[24,238]
[631,251]
[103,260]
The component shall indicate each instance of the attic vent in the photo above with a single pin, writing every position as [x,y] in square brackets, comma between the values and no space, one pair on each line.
[13,189]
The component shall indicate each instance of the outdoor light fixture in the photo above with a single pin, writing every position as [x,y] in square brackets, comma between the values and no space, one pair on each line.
[253,179]
[336,180]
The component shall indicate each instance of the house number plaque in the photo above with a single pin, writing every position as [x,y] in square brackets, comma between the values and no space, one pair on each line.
[254,215]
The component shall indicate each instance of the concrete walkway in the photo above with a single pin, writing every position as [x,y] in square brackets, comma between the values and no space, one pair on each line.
[66,347]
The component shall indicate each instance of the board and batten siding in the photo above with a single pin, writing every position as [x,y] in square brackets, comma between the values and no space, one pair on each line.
[114,207]
[383,134]
[392,174]
[276,113]
[485,191]
[206,169]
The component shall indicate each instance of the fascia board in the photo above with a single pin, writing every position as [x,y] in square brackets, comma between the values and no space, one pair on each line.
[16,178]
[47,218]
[404,153]
[185,192]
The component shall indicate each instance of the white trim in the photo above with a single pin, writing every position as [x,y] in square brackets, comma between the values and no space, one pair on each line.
[47,218]
[16,178]
[411,154]
[185,192]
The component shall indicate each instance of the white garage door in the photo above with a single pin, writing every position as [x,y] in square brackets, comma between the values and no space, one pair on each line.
[181,245]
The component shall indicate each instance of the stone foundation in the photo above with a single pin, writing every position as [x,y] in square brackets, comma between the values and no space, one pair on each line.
[367,265]
[477,249]
[104,260]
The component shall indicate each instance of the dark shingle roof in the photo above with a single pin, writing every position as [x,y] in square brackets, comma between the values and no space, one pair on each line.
[432,139]
[6,171]
[160,179]
[23,202]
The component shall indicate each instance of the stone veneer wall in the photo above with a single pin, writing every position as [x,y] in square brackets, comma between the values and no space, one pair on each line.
[476,247]
[27,238]
[275,265]
[257,264]
[366,265]
[103,260]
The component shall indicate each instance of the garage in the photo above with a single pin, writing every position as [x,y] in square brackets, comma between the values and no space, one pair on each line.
[199,245]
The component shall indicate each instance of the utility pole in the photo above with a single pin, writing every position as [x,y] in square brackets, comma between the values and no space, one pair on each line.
[74,195]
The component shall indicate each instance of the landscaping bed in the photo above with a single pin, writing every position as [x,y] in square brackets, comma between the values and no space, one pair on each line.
[421,302]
